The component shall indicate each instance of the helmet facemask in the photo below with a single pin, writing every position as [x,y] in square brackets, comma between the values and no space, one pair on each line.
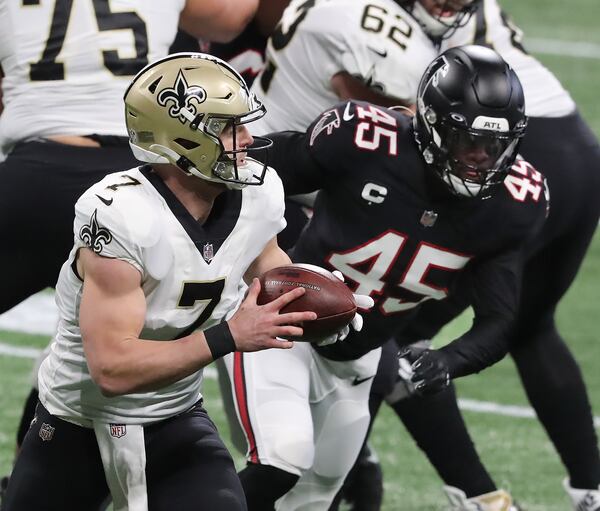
[178,110]
[446,16]
[471,161]
[227,166]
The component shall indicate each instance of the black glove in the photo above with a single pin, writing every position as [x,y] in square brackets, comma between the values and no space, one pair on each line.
[423,370]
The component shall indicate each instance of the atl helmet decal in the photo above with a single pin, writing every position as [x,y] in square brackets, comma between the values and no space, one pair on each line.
[95,236]
[329,121]
[181,96]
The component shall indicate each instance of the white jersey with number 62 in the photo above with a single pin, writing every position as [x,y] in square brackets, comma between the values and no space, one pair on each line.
[376,41]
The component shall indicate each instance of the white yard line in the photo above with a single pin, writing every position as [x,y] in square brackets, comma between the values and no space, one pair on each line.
[563,48]
[470,405]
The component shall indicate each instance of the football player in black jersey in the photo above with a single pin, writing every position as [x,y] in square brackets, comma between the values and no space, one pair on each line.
[409,209]
[549,372]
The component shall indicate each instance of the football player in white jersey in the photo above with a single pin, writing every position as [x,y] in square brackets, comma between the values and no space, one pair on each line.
[65,66]
[159,254]
[548,370]
[324,51]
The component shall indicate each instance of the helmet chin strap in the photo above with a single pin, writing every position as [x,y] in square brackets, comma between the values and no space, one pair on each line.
[172,157]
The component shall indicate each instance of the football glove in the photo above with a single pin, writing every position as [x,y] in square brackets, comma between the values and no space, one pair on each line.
[423,370]
[362,302]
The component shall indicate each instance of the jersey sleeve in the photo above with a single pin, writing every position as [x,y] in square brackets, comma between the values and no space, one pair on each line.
[124,229]
[343,140]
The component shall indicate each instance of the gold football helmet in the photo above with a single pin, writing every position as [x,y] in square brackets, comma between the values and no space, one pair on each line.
[177,107]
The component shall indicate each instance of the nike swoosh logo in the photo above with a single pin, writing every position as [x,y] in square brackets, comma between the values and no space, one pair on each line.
[347,116]
[358,381]
[108,202]
[381,53]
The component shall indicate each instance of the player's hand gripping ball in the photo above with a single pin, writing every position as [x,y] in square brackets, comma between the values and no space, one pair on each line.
[326,295]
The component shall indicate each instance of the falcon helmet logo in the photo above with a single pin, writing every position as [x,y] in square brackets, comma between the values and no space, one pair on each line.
[329,121]
[95,236]
[180,99]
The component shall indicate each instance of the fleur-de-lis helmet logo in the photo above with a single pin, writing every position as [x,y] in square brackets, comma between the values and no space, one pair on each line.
[95,236]
[181,96]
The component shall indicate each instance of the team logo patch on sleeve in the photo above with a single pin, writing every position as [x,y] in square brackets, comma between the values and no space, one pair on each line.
[180,98]
[329,121]
[94,236]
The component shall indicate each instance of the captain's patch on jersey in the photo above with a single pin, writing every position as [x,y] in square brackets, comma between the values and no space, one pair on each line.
[95,236]
[329,121]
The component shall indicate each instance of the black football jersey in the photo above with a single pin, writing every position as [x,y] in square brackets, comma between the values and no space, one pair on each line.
[396,233]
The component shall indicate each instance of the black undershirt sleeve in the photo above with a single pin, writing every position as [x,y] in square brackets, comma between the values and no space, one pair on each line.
[495,289]
[293,161]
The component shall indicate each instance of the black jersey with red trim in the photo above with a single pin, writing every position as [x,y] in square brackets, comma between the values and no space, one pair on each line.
[396,233]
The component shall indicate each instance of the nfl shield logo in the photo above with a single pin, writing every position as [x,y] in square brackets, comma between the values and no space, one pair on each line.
[207,252]
[428,218]
[118,430]
[46,432]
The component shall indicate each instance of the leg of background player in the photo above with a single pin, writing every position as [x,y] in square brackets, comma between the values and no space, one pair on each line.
[549,372]
[437,426]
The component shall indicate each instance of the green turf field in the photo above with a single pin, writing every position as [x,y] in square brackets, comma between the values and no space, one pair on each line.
[516,450]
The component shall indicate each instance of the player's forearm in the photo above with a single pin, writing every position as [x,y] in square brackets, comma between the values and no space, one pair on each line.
[137,365]
[482,346]
[271,257]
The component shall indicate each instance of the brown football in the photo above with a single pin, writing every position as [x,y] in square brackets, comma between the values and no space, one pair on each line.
[325,294]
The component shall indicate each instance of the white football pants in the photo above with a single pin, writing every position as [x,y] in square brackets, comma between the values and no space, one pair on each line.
[304,414]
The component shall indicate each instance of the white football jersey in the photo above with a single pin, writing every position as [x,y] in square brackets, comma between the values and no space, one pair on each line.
[191,276]
[375,40]
[544,95]
[66,64]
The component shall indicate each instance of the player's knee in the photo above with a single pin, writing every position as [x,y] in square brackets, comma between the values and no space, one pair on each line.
[294,450]
[337,449]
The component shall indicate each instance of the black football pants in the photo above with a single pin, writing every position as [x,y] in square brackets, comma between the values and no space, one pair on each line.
[188,467]
[40,182]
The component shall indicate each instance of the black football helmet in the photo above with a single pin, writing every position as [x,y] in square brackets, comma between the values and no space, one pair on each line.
[440,18]
[470,119]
